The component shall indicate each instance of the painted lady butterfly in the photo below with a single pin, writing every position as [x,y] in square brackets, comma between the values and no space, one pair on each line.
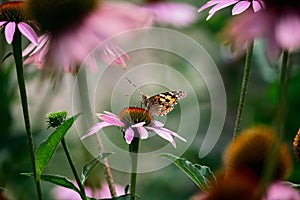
[160,104]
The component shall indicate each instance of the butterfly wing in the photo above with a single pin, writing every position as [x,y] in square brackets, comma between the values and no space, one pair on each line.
[163,103]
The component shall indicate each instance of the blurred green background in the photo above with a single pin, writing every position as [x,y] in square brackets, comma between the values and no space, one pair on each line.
[168,183]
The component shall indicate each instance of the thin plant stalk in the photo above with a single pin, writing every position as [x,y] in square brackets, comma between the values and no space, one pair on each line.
[243,93]
[71,163]
[133,149]
[279,122]
[17,53]
[86,107]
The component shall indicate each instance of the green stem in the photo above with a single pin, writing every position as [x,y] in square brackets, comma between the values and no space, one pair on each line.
[279,122]
[86,108]
[71,163]
[281,111]
[243,92]
[17,53]
[133,149]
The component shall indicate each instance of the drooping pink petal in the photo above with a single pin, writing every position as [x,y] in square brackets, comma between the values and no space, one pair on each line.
[173,134]
[165,135]
[10,31]
[95,128]
[221,5]
[28,32]
[157,124]
[2,22]
[129,135]
[257,5]
[143,132]
[209,4]
[113,120]
[112,54]
[287,32]
[240,7]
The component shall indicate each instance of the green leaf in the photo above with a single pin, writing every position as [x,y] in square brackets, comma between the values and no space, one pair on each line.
[57,180]
[201,175]
[89,166]
[47,148]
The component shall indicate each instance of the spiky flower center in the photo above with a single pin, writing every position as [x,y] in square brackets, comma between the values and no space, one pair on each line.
[251,149]
[133,115]
[13,11]
[55,119]
[56,15]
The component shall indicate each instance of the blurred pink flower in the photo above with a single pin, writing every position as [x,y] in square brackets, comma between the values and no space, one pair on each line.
[12,17]
[174,13]
[131,119]
[280,27]
[281,191]
[68,48]
[62,193]
[239,6]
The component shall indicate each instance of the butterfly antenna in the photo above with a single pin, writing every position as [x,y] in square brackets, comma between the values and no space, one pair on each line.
[131,83]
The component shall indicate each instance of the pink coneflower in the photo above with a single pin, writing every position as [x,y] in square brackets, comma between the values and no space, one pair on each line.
[174,13]
[12,16]
[239,6]
[74,28]
[135,122]
[278,24]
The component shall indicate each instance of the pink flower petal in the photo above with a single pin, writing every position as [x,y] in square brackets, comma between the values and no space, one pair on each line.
[219,6]
[281,190]
[143,132]
[129,135]
[10,31]
[95,128]
[174,134]
[209,4]
[240,7]
[157,124]
[113,120]
[165,135]
[287,32]
[138,124]
[2,22]
[28,32]
[257,5]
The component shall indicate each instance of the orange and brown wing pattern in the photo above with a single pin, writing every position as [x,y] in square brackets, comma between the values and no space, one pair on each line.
[162,103]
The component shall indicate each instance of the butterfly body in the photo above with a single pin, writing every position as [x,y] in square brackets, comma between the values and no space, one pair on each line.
[163,103]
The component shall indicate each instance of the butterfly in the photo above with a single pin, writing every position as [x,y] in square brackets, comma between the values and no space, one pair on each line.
[162,103]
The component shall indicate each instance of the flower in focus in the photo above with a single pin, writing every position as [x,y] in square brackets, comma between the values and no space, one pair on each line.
[251,149]
[296,145]
[12,16]
[74,28]
[135,122]
[239,6]
[278,24]
[62,193]
[175,13]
